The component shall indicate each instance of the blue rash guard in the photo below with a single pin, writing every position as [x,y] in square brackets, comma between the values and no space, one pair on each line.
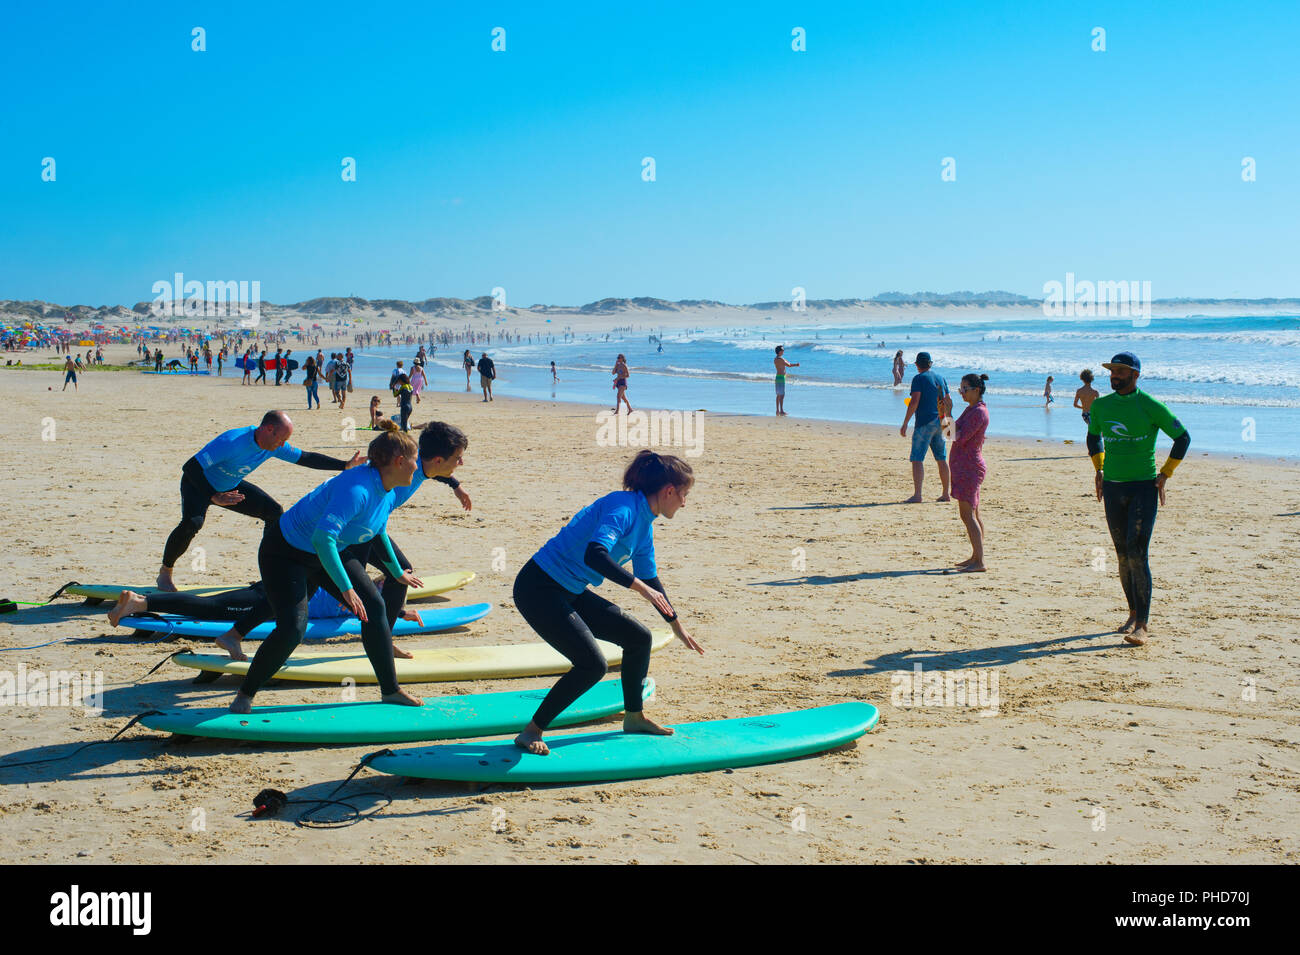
[322,606]
[404,494]
[620,522]
[349,509]
[230,457]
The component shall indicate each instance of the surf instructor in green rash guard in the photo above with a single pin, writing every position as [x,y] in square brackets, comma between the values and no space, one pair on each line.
[1126,422]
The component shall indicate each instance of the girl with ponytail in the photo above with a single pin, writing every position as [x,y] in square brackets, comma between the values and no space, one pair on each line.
[552,591]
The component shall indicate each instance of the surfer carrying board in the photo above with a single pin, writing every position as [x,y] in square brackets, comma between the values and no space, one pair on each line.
[216,476]
[552,591]
[308,547]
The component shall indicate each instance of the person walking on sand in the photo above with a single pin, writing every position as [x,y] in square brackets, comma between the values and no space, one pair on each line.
[311,383]
[553,591]
[1047,392]
[468,361]
[342,376]
[781,365]
[1086,395]
[620,384]
[929,392]
[900,367]
[418,380]
[402,391]
[1122,444]
[968,468]
[261,368]
[69,374]
[487,373]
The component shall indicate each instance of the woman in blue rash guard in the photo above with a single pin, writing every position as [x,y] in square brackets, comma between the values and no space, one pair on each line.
[551,591]
[308,548]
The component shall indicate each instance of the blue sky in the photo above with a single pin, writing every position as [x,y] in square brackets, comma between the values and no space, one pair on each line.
[522,169]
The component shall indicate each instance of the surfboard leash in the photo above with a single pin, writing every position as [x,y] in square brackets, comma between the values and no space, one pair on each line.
[117,737]
[269,802]
[161,662]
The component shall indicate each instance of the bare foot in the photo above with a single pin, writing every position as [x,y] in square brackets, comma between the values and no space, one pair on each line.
[402,698]
[972,569]
[128,602]
[241,704]
[941,500]
[915,499]
[164,581]
[965,563]
[230,642]
[1138,636]
[401,654]
[638,723]
[1128,624]
[530,741]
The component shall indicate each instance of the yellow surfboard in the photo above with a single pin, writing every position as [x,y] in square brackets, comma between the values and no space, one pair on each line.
[438,584]
[440,665]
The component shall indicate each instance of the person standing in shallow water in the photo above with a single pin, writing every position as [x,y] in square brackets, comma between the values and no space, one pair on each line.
[968,468]
[1086,395]
[900,367]
[620,384]
[781,365]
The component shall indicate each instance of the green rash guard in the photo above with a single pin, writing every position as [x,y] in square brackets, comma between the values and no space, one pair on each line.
[1127,424]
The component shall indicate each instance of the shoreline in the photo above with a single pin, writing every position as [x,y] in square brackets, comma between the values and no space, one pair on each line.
[798,571]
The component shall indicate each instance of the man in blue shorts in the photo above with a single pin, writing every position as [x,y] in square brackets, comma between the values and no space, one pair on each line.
[927,389]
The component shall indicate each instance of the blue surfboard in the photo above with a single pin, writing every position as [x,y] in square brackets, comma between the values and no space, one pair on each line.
[441,618]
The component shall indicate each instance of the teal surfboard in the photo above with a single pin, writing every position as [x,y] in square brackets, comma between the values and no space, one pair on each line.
[610,756]
[441,618]
[441,717]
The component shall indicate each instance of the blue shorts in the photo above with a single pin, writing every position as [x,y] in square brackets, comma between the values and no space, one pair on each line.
[780,389]
[928,436]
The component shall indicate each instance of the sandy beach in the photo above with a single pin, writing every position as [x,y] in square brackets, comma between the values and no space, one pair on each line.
[795,567]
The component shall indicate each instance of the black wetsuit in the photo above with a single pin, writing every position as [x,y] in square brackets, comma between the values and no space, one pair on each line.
[196,498]
[290,577]
[572,623]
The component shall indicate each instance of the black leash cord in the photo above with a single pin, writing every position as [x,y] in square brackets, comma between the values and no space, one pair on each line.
[271,801]
[97,742]
[159,664]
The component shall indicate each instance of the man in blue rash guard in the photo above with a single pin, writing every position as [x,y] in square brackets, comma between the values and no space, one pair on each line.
[216,475]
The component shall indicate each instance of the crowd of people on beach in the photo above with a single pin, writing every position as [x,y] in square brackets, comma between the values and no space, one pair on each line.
[328,539]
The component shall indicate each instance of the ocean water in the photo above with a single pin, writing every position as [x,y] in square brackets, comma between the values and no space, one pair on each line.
[1234,382]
